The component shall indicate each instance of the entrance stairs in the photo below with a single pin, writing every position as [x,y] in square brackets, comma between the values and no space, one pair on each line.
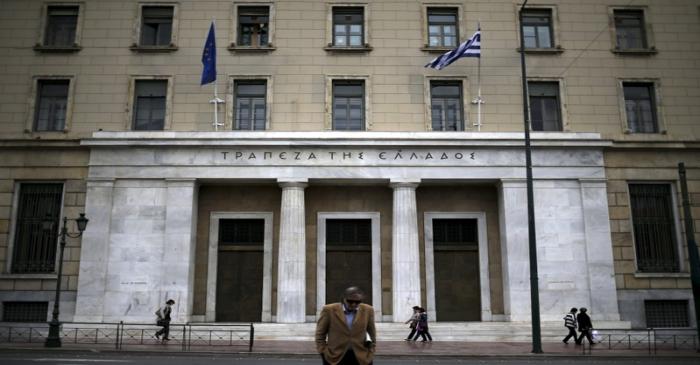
[441,331]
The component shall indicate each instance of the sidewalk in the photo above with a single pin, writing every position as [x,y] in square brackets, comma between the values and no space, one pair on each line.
[384,349]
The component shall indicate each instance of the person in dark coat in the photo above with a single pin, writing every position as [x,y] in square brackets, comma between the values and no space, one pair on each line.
[584,326]
[164,320]
[570,323]
[422,327]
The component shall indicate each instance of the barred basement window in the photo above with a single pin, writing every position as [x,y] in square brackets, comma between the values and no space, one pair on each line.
[666,313]
[654,227]
[348,232]
[36,228]
[448,232]
[25,311]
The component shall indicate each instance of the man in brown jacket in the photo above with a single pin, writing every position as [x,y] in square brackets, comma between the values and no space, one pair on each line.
[344,331]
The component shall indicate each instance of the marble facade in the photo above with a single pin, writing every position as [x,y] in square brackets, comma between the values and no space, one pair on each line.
[142,200]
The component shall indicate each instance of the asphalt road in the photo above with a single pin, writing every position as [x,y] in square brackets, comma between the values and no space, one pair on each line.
[41,358]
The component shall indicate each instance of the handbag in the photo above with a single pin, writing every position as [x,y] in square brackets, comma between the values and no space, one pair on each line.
[161,322]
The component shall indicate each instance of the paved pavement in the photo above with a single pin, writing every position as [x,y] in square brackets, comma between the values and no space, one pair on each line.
[384,349]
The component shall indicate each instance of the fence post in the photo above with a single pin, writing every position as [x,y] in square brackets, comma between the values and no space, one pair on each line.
[116,343]
[184,336]
[252,337]
[649,339]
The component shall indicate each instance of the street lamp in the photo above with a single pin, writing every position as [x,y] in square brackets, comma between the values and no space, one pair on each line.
[54,338]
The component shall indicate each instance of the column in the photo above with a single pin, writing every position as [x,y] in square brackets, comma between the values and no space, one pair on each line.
[94,251]
[291,269]
[177,281]
[405,251]
[599,255]
[515,261]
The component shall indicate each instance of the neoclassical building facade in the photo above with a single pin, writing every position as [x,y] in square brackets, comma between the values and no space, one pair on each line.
[341,160]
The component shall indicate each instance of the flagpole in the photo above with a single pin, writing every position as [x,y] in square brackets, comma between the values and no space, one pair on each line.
[478,97]
[216,99]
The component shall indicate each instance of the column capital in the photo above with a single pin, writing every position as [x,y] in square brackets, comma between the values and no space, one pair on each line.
[287,183]
[404,183]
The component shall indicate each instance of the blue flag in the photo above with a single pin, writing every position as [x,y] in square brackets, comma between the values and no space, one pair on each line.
[209,58]
[470,48]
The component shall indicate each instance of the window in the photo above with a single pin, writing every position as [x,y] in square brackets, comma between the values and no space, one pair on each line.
[630,29]
[240,232]
[545,114]
[250,105]
[640,107]
[36,229]
[446,106]
[348,27]
[51,105]
[537,28]
[61,26]
[442,27]
[24,311]
[450,232]
[654,227]
[149,105]
[253,26]
[348,232]
[156,26]
[348,105]
[666,313]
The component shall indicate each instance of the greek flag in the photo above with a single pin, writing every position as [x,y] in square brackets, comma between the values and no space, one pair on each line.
[209,58]
[470,48]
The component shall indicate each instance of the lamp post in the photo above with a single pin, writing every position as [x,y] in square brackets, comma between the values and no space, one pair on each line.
[54,338]
[532,236]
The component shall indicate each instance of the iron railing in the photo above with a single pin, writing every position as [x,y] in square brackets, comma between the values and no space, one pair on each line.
[122,335]
[650,339]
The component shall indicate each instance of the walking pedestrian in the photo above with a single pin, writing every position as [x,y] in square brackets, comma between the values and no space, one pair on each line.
[422,327]
[570,323]
[164,320]
[413,322]
[584,326]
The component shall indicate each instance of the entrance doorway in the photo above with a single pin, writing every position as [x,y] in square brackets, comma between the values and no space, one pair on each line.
[456,252]
[348,257]
[240,270]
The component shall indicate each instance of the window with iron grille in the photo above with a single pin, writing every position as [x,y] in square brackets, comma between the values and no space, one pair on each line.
[448,232]
[61,25]
[640,107]
[629,29]
[156,25]
[250,104]
[25,311]
[349,105]
[36,229]
[253,26]
[241,232]
[545,107]
[537,28]
[348,232]
[446,108]
[443,27]
[51,105]
[348,26]
[666,313]
[654,227]
[149,105]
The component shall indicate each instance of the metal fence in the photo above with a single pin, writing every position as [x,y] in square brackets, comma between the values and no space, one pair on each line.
[122,335]
[652,339]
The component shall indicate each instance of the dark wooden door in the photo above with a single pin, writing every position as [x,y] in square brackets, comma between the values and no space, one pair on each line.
[240,270]
[456,262]
[348,257]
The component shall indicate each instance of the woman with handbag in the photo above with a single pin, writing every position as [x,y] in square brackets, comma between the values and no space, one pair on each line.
[163,320]
[413,322]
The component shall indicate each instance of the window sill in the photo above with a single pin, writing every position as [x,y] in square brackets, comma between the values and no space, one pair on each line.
[153,49]
[234,48]
[11,276]
[331,48]
[57,49]
[555,50]
[635,51]
[631,132]
[666,275]
[436,49]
